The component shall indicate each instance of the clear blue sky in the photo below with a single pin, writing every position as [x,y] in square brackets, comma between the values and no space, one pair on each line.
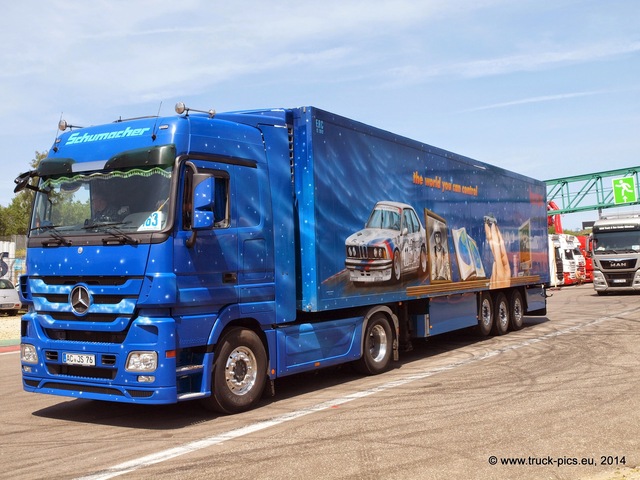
[545,88]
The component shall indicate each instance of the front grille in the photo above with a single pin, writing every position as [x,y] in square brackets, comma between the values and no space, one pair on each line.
[619,264]
[82,388]
[619,279]
[112,307]
[109,360]
[101,299]
[365,252]
[91,317]
[86,336]
[140,393]
[82,372]
[51,356]
[87,280]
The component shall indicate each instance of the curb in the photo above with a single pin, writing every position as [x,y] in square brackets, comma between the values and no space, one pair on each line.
[4,348]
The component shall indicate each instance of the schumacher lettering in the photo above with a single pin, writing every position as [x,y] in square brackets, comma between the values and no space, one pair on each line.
[97,137]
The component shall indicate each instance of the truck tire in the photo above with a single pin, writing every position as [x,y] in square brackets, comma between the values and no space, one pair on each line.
[377,346]
[239,372]
[501,310]
[516,306]
[485,314]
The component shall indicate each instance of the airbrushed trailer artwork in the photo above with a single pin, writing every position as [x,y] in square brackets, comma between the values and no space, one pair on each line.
[420,220]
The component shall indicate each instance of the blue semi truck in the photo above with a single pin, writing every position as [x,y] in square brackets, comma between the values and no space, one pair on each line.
[204,255]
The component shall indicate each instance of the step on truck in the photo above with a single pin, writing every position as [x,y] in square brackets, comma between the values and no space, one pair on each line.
[204,255]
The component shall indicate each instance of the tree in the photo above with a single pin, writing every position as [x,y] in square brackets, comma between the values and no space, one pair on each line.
[14,219]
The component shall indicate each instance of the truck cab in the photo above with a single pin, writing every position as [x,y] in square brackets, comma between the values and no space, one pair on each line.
[144,238]
[615,250]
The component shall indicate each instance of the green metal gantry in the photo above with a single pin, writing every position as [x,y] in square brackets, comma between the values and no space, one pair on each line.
[594,191]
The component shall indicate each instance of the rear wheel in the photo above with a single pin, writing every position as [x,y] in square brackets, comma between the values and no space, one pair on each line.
[485,314]
[377,346]
[239,372]
[501,312]
[517,310]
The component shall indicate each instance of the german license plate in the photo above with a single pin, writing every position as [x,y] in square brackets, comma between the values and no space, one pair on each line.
[619,280]
[83,359]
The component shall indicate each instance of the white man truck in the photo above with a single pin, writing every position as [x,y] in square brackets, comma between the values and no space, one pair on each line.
[615,251]
[203,255]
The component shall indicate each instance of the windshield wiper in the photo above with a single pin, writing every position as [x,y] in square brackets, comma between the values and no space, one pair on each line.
[58,238]
[112,229]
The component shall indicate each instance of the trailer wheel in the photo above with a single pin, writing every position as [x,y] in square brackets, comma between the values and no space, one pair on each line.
[396,267]
[501,313]
[377,346]
[516,310]
[239,372]
[485,314]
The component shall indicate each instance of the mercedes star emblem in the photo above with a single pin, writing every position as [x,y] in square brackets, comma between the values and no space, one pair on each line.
[80,300]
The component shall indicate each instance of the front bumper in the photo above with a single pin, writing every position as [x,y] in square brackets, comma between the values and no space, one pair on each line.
[369,271]
[48,369]
[616,281]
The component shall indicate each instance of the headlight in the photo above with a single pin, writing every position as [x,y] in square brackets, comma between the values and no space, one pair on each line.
[28,353]
[142,362]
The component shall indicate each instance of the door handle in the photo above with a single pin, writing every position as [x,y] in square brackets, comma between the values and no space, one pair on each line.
[230,277]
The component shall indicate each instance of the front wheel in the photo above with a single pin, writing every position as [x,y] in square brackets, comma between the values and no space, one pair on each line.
[376,346]
[239,372]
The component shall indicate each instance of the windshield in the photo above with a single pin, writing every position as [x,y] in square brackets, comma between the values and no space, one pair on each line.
[131,200]
[384,217]
[617,242]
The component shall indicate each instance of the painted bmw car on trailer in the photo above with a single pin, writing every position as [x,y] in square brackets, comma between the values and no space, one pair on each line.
[392,244]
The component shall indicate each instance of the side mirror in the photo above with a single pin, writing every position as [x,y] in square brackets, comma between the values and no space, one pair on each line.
[23,179]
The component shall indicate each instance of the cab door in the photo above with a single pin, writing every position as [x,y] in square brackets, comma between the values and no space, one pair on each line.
[206,261]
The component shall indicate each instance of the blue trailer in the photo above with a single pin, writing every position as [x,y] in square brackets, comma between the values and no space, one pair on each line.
[204,255]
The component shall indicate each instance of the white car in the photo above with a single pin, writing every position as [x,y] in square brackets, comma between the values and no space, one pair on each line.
[392,243]
[9,298]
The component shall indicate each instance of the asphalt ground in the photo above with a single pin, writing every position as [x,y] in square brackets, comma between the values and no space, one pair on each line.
[575,347]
